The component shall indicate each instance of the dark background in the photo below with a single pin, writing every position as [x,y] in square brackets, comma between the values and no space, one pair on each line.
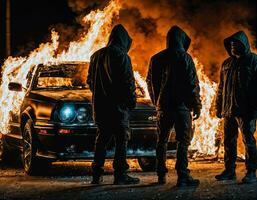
[31,22]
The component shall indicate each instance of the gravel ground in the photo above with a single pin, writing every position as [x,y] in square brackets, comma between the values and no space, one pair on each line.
[71,180]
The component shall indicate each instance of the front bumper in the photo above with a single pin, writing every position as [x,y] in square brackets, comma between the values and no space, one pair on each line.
[79,144]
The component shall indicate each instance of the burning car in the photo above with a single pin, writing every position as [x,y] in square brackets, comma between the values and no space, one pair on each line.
[55,120]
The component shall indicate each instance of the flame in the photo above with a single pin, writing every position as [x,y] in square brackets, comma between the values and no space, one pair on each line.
[142,83]
[16,69]
[100,25]
[100,21]
[207,126]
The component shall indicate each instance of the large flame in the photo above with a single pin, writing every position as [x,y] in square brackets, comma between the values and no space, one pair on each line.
[206,127]
[16,69]
[100,21]
[142,83]
[100,25]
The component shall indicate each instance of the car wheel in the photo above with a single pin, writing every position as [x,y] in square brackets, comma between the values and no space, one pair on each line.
[6,155]
[147,164]
[31,163]
[3,150]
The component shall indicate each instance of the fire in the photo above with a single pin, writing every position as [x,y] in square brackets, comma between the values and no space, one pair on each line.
[207,126]
[16,69]
[100,21]
[141,82]
[100,25]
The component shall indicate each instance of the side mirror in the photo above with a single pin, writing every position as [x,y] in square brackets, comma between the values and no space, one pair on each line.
[17,87]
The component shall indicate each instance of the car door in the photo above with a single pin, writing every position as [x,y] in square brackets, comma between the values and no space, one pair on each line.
[14,136]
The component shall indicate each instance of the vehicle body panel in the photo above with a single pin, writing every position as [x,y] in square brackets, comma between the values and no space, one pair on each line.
[43,106]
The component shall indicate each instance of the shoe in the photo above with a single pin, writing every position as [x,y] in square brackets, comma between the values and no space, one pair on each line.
[161,179]
[97,180]
[187,181]
[125,179]
[226,175]
[250,177]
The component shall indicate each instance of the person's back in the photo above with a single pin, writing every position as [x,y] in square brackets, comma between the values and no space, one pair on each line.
[174,90]
[112,83]
[174,75]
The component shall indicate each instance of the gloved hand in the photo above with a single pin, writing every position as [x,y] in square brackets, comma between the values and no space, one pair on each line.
[218,114]
[159,115]
[196,112]
[131,104]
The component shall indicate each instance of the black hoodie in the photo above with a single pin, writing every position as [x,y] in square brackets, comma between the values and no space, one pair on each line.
[111,79]
[172,80]
[238,81]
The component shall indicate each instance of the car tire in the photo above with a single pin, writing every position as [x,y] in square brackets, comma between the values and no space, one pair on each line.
[32,164]
[7,156]
[147,164]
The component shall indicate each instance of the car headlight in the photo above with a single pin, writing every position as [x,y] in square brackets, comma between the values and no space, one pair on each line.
[67,113]
[82,114]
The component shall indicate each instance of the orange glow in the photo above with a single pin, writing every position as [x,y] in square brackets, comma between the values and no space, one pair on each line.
[100,24]
[16,69]
[141,82]
[206,127]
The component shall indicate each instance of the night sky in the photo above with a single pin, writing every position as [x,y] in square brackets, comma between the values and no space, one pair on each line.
[32,21]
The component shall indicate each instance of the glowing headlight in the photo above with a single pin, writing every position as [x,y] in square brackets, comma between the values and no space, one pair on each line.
[67,113]
[82,114]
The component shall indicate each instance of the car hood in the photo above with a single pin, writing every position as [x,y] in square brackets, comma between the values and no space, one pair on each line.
[77,95]
[63,95]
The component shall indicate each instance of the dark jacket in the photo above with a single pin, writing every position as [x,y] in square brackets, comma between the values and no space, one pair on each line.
[237,94]
[111,79]
[172,80]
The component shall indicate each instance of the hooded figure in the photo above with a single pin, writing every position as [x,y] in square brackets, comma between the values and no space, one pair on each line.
[111,80]
[237,102]
[174,90]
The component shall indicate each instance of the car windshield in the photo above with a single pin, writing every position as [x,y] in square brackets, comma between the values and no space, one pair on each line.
[65,76]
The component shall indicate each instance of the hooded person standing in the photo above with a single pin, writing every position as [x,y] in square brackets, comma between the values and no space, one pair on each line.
[111,80]
[237,103]
[174,90]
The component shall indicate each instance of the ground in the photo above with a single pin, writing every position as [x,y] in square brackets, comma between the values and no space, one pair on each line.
[71,180]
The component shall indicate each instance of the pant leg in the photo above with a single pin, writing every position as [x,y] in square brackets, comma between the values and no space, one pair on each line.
[248,127]
[120,164]
[104,135]
[184,135]
[164,125]
[230,142]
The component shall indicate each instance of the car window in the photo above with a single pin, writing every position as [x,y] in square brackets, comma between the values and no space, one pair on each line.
[29,76]
[68,76]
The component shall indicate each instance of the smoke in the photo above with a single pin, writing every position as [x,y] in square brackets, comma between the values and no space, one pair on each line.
[208,23]
[80,6]
[79,29]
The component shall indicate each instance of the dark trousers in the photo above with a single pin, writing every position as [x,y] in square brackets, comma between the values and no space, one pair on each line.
[182,121]
[104,135]
[247,127]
